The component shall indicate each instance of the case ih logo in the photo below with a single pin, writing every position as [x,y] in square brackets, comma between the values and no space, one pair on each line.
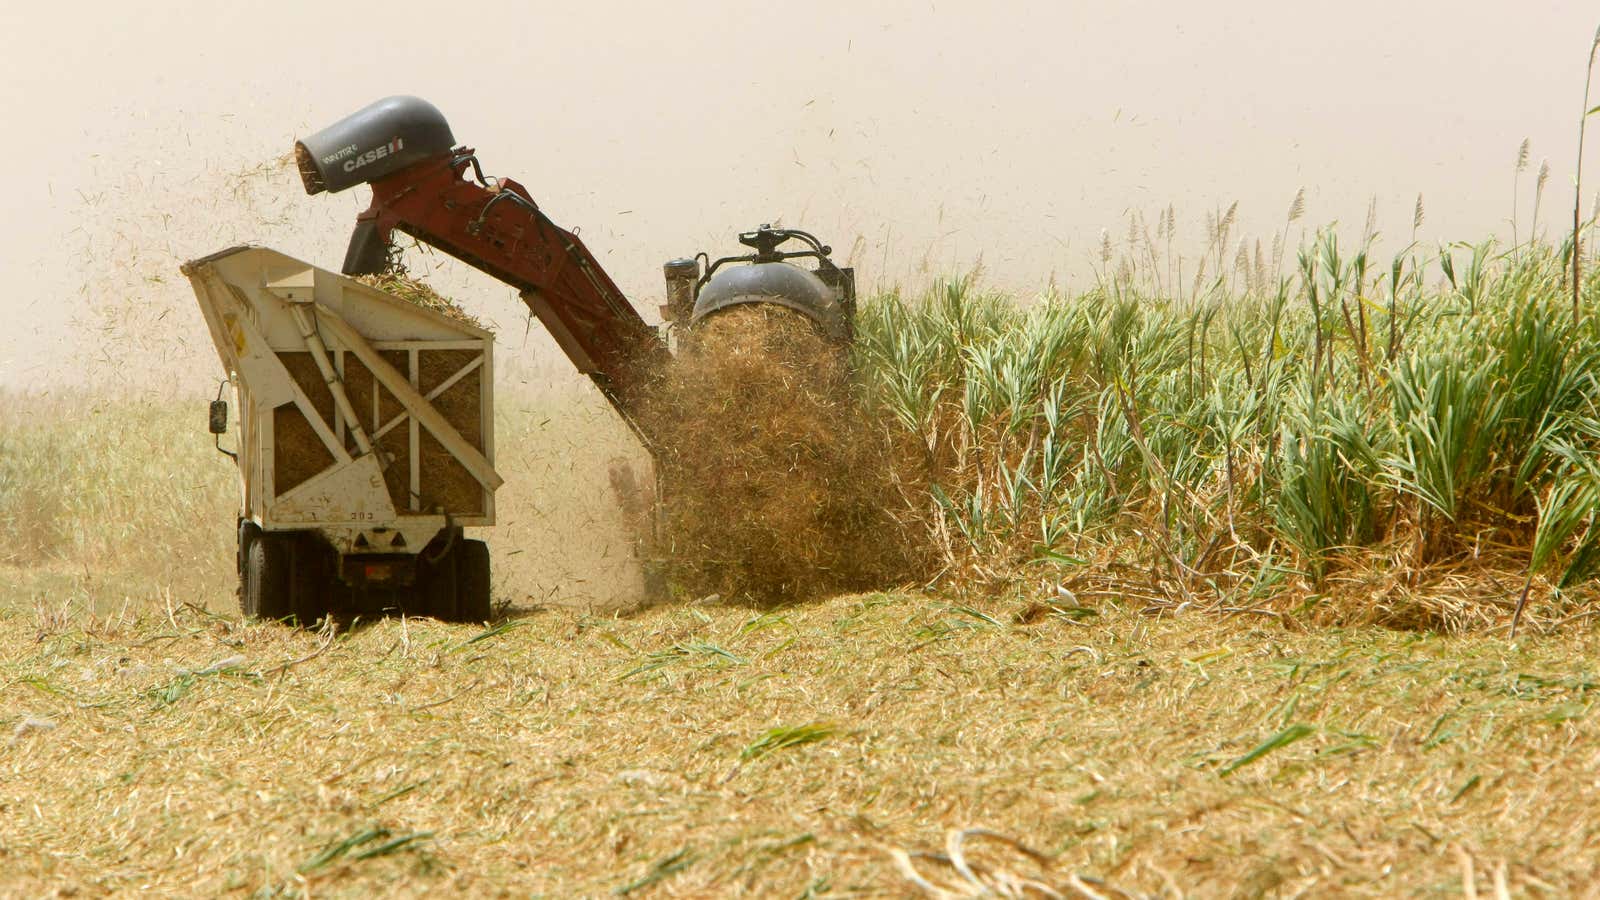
[354,162]
[337,155]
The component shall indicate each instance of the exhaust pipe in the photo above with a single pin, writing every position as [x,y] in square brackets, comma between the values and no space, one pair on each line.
[682,277]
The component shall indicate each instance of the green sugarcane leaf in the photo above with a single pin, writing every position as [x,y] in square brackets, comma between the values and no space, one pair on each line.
[1277,742]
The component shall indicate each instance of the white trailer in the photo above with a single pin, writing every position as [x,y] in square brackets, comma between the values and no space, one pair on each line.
[365,440]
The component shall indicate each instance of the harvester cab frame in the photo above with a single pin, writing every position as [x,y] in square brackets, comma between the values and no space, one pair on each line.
[841,281]
[355,526]
[699,287]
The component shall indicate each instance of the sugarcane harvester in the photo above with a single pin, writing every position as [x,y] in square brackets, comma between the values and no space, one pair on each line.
[427,186]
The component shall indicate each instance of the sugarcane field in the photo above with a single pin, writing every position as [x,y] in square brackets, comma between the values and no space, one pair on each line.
[942,450]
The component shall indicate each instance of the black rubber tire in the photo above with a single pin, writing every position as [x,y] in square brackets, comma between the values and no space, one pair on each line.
[437,584]
[472,585]
[309,582]
[268,569]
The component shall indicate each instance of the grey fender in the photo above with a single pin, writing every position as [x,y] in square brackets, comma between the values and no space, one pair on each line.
[774,282]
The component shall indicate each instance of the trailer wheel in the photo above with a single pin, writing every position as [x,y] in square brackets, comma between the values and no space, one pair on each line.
[268,563]
[472,591]
[437,581]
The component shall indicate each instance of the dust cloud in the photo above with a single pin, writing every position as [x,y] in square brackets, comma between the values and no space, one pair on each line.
[918,138]
[775,484]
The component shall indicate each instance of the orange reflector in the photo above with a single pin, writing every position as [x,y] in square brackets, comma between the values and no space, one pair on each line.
[378,571]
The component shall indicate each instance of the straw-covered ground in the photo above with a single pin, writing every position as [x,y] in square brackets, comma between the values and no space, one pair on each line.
[717,750]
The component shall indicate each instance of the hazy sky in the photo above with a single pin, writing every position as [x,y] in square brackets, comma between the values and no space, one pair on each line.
[923,134]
